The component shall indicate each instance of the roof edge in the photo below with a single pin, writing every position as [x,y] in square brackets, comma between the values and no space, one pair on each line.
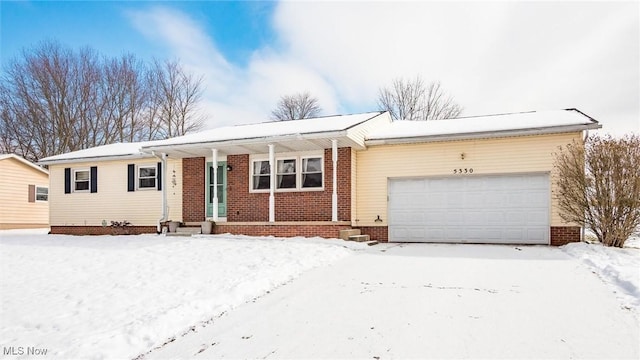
[484,134]
[248,141]
[25,161]
[94,158]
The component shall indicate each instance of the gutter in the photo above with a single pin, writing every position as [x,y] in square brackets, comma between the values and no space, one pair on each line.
[249,141]
[481,135]
[165,212]
[92,158]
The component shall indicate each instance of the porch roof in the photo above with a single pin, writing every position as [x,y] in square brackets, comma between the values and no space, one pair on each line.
[293,135]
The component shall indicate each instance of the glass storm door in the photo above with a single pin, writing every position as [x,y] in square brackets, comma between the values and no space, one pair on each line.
[222,189]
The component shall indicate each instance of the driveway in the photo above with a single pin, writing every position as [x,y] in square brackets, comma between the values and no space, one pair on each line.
[427,301]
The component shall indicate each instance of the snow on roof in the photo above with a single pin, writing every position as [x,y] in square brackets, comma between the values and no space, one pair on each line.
[111,150]
[273,129]
[24,161]
[533,120]
[397,130]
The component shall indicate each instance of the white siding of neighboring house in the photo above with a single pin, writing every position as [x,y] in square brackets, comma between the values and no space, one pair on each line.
[16,211]
[113,202]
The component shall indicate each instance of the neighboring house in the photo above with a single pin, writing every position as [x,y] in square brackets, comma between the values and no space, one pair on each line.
[486,179]
[24,194]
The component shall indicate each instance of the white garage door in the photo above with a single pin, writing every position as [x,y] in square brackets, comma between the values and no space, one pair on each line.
[510,209]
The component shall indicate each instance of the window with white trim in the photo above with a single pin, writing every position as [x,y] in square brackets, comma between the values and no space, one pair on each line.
[293,173]
[42,193]
[286,174]
[147,177]
[311,172]
[81,180]
[261,175]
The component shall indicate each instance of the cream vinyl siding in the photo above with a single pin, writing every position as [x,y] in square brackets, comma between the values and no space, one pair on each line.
[354,174]
[113,202]
[359,132]
[15,209]
[514,155]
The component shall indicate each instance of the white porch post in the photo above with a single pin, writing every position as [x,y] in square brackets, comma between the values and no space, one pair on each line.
[215,184]
[334,195]
[272,183]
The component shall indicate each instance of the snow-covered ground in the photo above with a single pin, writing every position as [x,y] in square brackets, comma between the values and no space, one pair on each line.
[121,296]
[619,268]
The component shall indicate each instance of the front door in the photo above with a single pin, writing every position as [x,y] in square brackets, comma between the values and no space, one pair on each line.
[222,189]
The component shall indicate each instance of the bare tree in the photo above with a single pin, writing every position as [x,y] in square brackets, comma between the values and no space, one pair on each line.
[55,100]
[598,186]
[177,94]
[413,100]
[296,106]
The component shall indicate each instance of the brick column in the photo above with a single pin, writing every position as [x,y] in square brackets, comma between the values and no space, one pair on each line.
[193,193]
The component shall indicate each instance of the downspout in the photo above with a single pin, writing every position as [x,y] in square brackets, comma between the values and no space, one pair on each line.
[583,228]
[165,215]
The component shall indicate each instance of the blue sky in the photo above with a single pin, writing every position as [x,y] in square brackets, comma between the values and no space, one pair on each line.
[237,27]
[493,57]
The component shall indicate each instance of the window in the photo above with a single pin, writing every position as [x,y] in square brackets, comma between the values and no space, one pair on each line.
[81,179]
[286,172]
[301,173]
[42,193]
[147,177]
[261,175]
[312,172]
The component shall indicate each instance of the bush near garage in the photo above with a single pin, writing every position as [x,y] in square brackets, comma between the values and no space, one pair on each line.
[598,186]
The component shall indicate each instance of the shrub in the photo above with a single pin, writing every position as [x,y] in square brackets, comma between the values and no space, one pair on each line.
[598,186]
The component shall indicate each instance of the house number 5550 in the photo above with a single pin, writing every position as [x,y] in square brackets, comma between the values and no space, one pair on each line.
[463,171]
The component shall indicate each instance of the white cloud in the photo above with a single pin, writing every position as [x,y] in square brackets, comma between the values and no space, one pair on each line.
[493,57]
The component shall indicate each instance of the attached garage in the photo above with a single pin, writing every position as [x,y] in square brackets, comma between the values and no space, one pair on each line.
[507,209]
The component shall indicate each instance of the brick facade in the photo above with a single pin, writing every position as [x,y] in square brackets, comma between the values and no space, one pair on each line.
[562,235]
[244,206]
[288,230]
[193,191]
[103,230]
[379,233]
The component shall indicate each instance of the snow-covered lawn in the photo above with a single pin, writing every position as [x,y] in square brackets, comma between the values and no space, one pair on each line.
[619,268]
[119,296]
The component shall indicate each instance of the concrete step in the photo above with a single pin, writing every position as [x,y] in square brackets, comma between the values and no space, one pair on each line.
[188,230]
[178,234]
[371,243]
[359,238]
[345,234]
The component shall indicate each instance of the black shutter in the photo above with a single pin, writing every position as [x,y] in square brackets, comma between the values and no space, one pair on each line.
[67,180]
[94,179]
[131,177]
[32,193]
[159,176]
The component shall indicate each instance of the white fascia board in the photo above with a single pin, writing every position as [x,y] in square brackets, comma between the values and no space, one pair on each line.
[482,135]
[24,161]
[96,158]
[248,141]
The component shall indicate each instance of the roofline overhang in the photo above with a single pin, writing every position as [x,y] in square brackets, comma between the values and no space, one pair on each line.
[26,162]
[251,141]
[483,134]
[96,158]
